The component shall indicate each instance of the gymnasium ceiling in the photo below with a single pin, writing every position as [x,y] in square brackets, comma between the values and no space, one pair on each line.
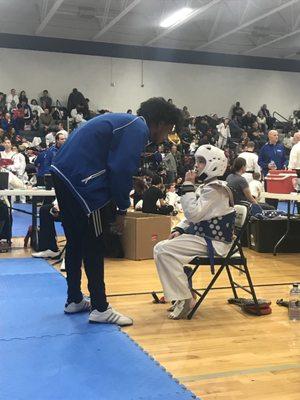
[269,28]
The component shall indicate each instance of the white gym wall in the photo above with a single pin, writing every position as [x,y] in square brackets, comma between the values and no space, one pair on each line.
[204,89]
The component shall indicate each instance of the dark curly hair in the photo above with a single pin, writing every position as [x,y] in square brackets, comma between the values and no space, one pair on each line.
[157,109]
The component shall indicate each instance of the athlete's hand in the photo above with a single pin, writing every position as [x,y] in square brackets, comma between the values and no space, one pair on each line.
[174,235]
[190,176]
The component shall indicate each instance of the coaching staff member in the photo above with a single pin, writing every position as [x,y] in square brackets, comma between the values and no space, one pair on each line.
[92,175]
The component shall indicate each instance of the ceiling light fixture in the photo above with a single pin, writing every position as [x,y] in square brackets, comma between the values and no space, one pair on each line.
[176,17]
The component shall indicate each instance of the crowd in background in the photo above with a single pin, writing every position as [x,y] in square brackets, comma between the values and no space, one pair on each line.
[32,131]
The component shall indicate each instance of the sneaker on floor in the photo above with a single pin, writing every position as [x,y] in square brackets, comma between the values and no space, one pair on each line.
[110,316]
[46,254]
[181,309]
[84,305]
[63,266]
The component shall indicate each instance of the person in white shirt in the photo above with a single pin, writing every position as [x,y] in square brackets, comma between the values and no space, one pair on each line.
[172,198]
[12,100]
[224,133]
[35,107]
[8,154]
[294,161]
[61,129]
[251,161]
[50,137]
[256,187]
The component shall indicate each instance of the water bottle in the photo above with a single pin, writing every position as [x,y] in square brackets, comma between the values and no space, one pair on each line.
[294,303]
[273,164]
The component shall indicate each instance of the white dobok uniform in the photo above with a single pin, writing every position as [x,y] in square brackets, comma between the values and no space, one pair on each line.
[210,201]
[251,164]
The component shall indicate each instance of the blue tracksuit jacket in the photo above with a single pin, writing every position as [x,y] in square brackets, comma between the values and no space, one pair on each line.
[271,152]
[98,160]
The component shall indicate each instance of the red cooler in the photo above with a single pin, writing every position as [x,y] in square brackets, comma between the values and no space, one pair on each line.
[280,181]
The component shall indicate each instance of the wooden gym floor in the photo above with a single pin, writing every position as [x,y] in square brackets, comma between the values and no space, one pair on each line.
[222,353]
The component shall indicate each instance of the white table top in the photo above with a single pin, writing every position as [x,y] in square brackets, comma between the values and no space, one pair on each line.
[282,196]
[28,192]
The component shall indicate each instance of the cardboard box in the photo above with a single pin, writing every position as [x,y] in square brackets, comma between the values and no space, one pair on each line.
[142,232]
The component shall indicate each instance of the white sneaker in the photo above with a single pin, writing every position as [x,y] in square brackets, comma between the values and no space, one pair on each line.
[46,254]
[84,305]
[63,266]
[110,316]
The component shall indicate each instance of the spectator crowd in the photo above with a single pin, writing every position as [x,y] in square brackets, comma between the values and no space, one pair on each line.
[32,132]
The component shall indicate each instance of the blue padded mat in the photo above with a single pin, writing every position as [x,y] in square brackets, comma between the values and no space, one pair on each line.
[38,300]
[25,266]
[22,221]
[47,355]
[108,366]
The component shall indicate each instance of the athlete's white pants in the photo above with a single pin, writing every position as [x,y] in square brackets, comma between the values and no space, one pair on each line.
[172,255]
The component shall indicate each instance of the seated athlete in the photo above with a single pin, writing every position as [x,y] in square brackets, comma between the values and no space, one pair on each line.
[206,230]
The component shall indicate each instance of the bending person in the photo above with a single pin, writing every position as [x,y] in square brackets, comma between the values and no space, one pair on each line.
[92,176]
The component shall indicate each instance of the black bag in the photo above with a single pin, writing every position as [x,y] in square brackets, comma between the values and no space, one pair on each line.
[5,222]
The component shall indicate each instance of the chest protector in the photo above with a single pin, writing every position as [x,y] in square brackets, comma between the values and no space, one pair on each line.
[218,228]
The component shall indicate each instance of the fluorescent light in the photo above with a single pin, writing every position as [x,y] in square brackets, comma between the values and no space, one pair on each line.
[176,17]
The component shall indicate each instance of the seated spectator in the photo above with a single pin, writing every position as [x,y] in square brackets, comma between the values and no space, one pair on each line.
[22,96]
[77,115]
[35,107]
[35,122]
[27,113]
[251,161]
[139,188]
[61,129]
[172,198]
[266,113]
[129,111]
[2,102]
[194,146]
[12,100]
[256,187]
[46,119]
[18,117]
[50,137]
[238,184]
[185,113]
[248,120]
[262,121]
[45,100]
[6,122]
[256,135]
[201,125]
[235,129]
[238,112]
[154,195]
